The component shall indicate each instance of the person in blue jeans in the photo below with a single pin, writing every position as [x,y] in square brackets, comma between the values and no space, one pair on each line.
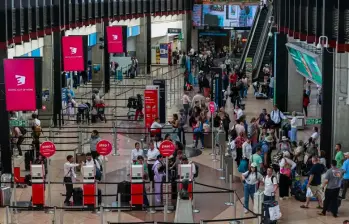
[198,132]
[250,181]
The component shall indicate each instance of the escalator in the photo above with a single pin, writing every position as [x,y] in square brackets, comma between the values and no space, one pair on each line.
[264,51]
[254,36]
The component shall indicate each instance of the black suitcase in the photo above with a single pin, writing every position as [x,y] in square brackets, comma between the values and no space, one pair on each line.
[77,196]
[124,188]
[265,215]
[28,158]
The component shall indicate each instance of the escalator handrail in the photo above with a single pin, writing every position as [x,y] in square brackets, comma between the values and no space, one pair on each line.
[263,51]
[263,39]
[250,38]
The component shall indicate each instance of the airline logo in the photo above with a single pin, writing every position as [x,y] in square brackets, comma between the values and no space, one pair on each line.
[20,80]
[115,37]
[73,50]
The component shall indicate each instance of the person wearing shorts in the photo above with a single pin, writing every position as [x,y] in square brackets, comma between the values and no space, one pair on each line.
[314,182]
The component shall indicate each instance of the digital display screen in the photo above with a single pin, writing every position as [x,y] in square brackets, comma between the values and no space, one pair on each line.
[224,15]
[307,64]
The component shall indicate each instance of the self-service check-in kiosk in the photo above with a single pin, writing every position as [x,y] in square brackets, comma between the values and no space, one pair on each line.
[137,185]
[38,184]
[89,187]
[186,172]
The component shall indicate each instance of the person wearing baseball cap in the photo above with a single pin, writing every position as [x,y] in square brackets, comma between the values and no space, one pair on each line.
[345,169]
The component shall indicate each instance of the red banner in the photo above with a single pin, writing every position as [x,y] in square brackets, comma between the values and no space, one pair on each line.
[151,106]
[20,84]
[115,39]
[73,53]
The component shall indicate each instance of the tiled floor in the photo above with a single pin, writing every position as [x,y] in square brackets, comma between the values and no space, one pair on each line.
[211,205]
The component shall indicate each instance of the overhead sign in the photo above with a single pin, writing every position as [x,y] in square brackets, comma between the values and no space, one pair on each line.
[20,91]
[151,104]
[167,148]
[73,53]
[174,30]
[18,123]
[104,147]
[47,149]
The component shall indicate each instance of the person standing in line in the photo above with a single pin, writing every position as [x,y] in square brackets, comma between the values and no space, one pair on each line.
[270,185]
[186,102]
[94,139]
[69,177]
[277,117]
[137,151]
[159,172]
[239,141]
[250,180]
[286,167]
[257,159]
[247,150]
[152,155]
[332,183]
[339,157]
[181,125]
[345,168]
[37,131]
[314,182]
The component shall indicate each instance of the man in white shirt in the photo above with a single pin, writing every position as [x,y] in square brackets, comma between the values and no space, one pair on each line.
[186,102]
[247,150]
[238,112]
[315,135]
[69,175]
[270,185]
[92,162]
[137,151]
[193,168]
[152,155]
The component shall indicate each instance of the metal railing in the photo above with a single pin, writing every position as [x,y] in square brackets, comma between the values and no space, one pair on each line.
[263,42]
[250,38]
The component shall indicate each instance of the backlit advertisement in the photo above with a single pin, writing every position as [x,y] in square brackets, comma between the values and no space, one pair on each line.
[73,53]
[20,89]
[225,16]
[306,65]
[151,105]
[115,39]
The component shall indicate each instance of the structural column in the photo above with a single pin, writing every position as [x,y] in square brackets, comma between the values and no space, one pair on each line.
[47,79]
[57,77]
[280,71]
[97,59]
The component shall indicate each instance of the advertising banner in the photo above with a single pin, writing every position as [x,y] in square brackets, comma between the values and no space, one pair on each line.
[20,89]
[151,104]
[115,39]
[164,51]
[73,53]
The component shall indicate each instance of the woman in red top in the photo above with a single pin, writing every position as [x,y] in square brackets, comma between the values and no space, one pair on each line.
[238,145]
[306,102]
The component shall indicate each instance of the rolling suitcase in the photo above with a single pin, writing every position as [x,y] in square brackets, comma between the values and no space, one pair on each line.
[77,196]
[267,216]
[124,188]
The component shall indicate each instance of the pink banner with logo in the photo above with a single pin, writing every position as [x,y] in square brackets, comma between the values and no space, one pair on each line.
[115,39]
[20,84]
[73,53]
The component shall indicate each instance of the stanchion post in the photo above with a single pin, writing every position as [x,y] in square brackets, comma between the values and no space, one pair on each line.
[61,215]
[170,92]
[105,178]
[49,198]
[119,207]
[115,139]
[80,140]
[8,215]
[102,214]
[96,197]
[213,143]
[54,218]
[134,83]
[195,210]
[151,210]
[166,195]
[230,203]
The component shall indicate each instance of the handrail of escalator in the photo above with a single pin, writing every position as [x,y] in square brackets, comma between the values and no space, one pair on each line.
[263,41]
[250,38]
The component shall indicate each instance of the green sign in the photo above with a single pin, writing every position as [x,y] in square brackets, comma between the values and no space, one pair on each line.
[18,123]
[313,121]
[180,36]
[249,64]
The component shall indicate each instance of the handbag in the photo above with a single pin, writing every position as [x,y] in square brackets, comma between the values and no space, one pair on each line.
[274,213]
[243,167]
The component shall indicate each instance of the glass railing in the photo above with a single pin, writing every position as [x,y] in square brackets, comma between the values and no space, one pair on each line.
[250,38]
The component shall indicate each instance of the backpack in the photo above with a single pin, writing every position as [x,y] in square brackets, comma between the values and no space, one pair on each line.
[37,131]
[98,171]
[23,130]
